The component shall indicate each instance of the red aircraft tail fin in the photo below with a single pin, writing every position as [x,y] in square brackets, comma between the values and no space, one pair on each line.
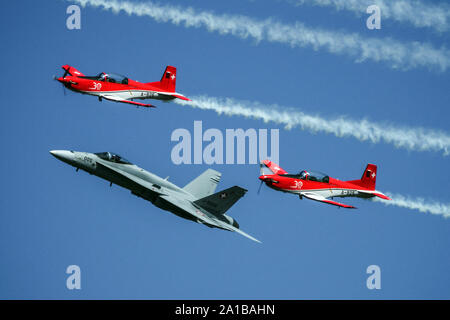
[168,79]
[369,177]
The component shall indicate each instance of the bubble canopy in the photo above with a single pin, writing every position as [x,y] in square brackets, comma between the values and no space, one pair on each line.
[109,77]
[310,176]
[112,157]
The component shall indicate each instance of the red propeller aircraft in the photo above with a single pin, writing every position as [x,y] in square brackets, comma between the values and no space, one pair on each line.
[118,88]
[320,187]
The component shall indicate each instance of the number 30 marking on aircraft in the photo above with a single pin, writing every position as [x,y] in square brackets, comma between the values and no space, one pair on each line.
[97,86]
[298,184]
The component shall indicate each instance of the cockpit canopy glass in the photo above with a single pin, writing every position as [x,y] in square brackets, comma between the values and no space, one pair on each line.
[310,176]
[314,176]
[109,77]
[112,157]
[116,78]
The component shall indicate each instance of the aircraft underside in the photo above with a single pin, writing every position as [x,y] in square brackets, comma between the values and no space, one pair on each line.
[131,94]
[331,193]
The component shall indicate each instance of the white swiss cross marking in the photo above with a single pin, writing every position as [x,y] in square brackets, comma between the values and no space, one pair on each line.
[373,175]
[173,77]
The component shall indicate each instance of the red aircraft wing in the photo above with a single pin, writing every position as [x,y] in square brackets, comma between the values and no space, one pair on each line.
[316,197]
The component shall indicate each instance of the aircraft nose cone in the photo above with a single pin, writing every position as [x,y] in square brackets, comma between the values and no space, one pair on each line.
[262,178]
[62,155]
[61,79]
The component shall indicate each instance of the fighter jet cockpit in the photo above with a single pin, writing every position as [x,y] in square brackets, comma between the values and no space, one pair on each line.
[112,157]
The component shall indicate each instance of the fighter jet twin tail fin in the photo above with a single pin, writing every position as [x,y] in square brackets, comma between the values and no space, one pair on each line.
[204,185]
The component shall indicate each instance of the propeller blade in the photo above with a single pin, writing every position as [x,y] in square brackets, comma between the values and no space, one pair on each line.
[261,168]
[261,172]
[64,87]
[260,185]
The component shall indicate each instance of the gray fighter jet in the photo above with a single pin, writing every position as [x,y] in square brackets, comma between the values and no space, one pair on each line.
[196,201]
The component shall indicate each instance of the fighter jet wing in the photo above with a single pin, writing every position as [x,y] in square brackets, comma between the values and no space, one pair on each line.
[233,228]
[317,197]
[204,216]
[117,99]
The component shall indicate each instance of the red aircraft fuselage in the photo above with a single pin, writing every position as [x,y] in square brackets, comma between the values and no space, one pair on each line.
[320,187]
[119,88]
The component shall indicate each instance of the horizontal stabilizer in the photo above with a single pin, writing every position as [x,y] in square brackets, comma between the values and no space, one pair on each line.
[219,203]
[375,193]
[173,95]
[180,96]
[382,196]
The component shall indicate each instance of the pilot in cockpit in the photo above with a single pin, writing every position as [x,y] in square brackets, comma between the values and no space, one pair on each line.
[304,175]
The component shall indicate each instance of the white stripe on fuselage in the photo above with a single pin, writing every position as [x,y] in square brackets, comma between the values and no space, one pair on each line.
[332,192]
[132,94]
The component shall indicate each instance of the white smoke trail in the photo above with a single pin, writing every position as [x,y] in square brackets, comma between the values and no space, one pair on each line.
[394,53]
[416,139]
[420,204]
[416,12]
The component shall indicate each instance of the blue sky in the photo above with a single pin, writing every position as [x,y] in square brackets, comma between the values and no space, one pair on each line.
[52,217]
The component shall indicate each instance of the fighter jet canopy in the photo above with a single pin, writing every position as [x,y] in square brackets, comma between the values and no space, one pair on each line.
[112,157]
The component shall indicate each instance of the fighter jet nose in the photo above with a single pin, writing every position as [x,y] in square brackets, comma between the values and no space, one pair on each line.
[262,178]
[57,153]
[62,155]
